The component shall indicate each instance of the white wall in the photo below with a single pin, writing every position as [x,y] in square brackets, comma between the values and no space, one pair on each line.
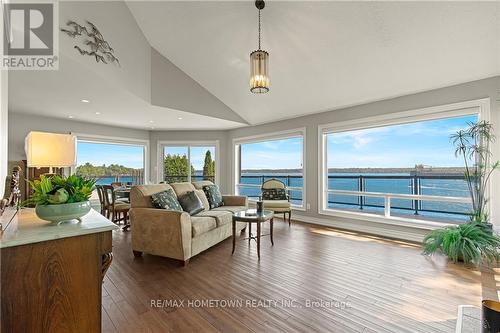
[4,121]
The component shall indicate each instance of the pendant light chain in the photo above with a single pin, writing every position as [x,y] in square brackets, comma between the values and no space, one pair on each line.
[259,29]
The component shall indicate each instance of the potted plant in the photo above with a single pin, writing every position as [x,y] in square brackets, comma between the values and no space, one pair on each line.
[474,241]
[58,198]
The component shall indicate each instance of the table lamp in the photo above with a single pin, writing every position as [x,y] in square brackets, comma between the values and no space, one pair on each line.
[50,150]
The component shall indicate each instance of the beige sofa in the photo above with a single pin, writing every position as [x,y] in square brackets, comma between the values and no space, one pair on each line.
[175,234]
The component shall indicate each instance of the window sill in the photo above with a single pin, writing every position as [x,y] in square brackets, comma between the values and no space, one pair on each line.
[375,218]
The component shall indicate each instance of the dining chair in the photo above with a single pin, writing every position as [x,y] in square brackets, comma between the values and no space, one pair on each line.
[102,202]
[115,210]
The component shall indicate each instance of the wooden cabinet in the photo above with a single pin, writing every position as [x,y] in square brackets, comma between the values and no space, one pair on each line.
[54,285]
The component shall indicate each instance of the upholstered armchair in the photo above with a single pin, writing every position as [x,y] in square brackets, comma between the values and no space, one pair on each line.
[275,198]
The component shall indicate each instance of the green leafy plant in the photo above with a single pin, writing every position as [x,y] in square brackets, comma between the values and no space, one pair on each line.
[55,189]
[473,242]
[466,242]
[474,144]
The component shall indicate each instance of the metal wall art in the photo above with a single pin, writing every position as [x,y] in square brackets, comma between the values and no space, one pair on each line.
[94,40]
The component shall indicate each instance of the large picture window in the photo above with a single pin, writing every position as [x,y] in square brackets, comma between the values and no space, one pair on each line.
[264,158]
[111,162]
[188,162]
[399,168]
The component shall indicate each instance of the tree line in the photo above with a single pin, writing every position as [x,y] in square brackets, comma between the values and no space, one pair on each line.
[91,170]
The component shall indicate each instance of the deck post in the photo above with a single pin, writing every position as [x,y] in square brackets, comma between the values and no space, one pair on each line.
[387,206]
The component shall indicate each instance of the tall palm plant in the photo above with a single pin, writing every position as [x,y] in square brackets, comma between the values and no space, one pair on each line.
[474,144]
[472,242]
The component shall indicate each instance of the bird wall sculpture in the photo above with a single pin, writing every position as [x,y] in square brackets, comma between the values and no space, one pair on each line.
[98,47]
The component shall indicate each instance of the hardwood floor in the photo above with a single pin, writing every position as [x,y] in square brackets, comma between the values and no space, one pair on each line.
[387,286]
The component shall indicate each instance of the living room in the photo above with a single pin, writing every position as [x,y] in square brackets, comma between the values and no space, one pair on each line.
[250,166]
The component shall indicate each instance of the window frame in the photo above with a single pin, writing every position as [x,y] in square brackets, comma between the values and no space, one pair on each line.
[280,135]
[104,139]
[188,144]
[481,107]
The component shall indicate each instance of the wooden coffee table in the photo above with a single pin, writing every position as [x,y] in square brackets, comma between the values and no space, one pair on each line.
[250,216]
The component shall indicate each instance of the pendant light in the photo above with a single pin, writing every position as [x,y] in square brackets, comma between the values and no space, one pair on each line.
[259,63]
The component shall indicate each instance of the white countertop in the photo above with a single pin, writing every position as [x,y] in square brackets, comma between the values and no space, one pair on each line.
[27,228]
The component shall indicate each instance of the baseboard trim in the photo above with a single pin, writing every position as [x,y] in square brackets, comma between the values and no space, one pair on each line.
[408,234]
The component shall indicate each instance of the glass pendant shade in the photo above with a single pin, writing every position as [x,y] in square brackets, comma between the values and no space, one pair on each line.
[259,76]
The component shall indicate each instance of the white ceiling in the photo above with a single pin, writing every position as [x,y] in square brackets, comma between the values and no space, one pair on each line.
[59,94]
[324,55]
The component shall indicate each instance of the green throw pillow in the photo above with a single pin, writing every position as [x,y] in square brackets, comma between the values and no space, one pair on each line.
[213,195]
[166,200]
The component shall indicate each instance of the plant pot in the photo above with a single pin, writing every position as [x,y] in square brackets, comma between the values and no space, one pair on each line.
[63,212]
[490,316]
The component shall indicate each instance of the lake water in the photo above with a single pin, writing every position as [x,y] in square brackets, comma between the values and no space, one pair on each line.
[435,187]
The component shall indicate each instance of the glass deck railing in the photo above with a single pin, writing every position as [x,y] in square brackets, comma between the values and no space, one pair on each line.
[421,190]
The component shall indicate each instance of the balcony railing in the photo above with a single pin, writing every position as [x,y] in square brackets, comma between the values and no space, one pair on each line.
[250,185]
[412,193]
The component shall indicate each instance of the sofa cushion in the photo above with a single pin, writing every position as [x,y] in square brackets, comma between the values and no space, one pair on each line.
[203,199]
[202,224]
[182,188]
[213,195]
[199,185]
[276,204]
[166,200]
[140,195]
[274,194]
[191,203]
[222,217]
[232,209]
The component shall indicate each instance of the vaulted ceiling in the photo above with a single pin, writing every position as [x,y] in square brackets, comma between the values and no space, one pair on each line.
[323,56]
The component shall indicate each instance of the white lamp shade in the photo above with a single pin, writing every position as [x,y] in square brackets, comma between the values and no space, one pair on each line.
[50,150]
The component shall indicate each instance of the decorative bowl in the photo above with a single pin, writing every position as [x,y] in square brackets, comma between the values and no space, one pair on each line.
[63,212]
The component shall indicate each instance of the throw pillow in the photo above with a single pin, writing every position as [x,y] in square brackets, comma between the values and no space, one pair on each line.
[166,200]
[274,194]
[203,199]
[191,203]
[213,195]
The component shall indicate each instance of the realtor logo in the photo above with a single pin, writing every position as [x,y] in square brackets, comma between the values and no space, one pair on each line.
[29,36]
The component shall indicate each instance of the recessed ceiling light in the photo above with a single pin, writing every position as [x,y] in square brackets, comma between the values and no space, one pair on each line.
[180,118]
[85,101]
[152,127]
[98,113]
[70,117]
[151,121]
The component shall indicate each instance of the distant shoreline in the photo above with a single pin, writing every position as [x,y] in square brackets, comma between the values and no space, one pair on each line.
[440,170]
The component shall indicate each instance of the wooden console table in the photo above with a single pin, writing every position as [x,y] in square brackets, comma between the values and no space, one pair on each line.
[52,274]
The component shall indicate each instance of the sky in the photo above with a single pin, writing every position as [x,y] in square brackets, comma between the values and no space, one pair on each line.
[276,154]
[400,146]
[100,153]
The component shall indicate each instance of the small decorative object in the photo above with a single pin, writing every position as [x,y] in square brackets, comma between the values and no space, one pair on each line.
[61,199]
[98,47]
[474,241]
[491,317]
[259,63]
[260,206]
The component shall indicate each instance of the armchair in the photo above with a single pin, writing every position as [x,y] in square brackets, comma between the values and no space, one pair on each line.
[276,198]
